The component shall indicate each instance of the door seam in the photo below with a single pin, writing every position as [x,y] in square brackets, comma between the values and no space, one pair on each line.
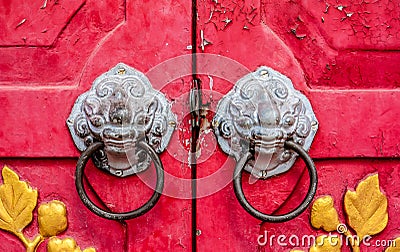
[195,104]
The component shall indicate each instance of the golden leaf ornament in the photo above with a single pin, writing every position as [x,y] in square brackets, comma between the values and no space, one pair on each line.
[366,208]
[17,202]
[324,215]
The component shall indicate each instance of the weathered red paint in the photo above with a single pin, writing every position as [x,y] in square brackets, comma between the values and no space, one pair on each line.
[351,82]
[42,75]
[346,64]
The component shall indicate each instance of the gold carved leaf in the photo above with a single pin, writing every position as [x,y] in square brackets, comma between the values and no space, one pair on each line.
[396,246]
[366,208]
[326,243]
[324,215]
[17,201]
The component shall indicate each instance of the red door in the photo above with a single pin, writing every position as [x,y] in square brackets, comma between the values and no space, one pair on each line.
[342,56]
[51,52]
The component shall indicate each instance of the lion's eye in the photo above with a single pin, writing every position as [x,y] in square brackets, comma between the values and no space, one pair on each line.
[142,120]
[97,121]
[288,120]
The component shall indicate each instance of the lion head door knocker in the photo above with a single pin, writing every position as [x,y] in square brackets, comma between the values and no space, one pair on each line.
[264,123]
[121,123]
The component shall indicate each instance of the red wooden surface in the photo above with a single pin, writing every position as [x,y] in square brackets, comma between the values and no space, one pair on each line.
[42,73]
[347,68]
[345,60]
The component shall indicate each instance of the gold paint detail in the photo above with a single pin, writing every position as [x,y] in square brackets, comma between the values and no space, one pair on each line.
[66,245]
[17,202]
[326,244]
[366,208]
[324,215]
[396,247]
[52,218]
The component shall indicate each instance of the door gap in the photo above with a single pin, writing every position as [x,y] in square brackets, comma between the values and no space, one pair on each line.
[195,104]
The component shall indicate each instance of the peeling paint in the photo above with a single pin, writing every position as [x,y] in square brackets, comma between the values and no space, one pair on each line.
[362,24]
[20,23]
[204,42]
[298,36]
[211,82]
[44,4]
[224,13]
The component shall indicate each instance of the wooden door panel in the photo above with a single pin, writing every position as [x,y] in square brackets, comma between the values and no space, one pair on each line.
[41,77]
[351,82]
[343,57]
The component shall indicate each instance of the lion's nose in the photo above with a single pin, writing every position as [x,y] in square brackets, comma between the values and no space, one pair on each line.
[119,112]
[119,115]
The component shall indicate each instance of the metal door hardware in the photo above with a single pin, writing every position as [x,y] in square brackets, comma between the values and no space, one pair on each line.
[264,123]
[121,123]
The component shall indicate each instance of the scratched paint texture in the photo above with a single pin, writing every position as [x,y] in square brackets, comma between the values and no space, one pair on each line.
[342,55]
[45,63]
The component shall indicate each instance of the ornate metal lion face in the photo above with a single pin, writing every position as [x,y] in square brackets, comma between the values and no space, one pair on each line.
[120,109]
[259,114]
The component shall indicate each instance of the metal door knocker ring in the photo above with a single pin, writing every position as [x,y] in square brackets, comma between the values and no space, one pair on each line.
[237,185]
[80,167]
[121,123]
[264,123]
